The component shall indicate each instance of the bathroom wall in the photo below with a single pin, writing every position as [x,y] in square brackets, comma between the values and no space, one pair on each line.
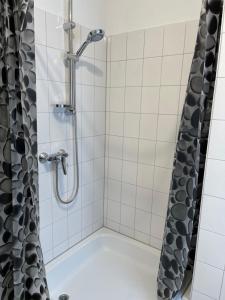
[89,13]
[147,76]
[209,278]
[62,226]
[131,15]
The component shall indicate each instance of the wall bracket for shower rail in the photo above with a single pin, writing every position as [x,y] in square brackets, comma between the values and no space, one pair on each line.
[69,26]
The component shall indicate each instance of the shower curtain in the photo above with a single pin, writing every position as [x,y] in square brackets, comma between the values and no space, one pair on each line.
[22,272]
[179,243]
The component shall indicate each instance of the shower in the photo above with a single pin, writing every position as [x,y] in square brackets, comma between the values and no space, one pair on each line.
[93,36]
[71,58]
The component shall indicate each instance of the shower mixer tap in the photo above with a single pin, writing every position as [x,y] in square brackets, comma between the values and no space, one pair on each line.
[60,156]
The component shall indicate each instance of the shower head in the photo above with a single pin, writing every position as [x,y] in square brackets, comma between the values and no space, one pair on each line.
[93,36]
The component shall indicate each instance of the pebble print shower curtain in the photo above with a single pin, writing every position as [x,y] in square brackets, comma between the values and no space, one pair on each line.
[178,251]
[22,272]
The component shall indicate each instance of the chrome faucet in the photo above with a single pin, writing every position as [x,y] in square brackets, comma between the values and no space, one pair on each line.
[60,156]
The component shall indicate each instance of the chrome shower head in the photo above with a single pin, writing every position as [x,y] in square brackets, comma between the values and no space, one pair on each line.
[93,36]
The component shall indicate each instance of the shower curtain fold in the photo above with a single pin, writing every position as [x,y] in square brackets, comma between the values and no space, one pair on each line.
[22,271]
[181,228]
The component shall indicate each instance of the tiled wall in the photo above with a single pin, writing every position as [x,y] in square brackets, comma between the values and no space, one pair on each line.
[62,226]
[209,279]
[147,77]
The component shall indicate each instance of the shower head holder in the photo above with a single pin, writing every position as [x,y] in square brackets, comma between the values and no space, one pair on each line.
[69,26]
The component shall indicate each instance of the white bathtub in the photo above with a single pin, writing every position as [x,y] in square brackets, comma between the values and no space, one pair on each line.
[105,266]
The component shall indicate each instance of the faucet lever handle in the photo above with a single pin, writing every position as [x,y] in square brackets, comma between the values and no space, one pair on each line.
[63,157]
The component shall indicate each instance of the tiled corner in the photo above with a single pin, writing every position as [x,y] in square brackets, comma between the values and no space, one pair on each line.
[146,90]
[63,226]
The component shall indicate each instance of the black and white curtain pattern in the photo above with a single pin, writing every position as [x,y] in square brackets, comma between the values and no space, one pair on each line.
[179,244]
[22,272]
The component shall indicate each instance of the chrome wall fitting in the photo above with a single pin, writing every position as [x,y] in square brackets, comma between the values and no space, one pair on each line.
[60,156]
[69,26]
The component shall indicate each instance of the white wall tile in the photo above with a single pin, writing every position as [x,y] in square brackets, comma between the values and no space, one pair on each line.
[174,36]
[100,73]
[162,178]
[169,100]
[100,99]
[160,204]
[135,44]
[133,99]
[150,100]
[46,239]
[171,70]
[117,99]
[145,176]
[165,132]
[60,232]
[134,72]
[129,173]
[127,216]
[208,280]
[58,127]
[212,214]
[114,211]
[142,221]
[214,178]
[157,226]
[100,50]
[187,60]
[153,42]
[40,30]
[87,69]
[56,67]
[114,190]
[41,62]
[222,296]
[199,296]
[118,70]
[207,250]
[164,154]
[221,68]
[219,106]
[58,93]
[45,212]
[148,127]
[118,47]
[130,149]
[191,36]
[128,195]
[152,71]
[144,199]
[131,125]
[43,128]
[116,147]
[116,124]
[56,36]
[146,152]
[216,148]
[115,169]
